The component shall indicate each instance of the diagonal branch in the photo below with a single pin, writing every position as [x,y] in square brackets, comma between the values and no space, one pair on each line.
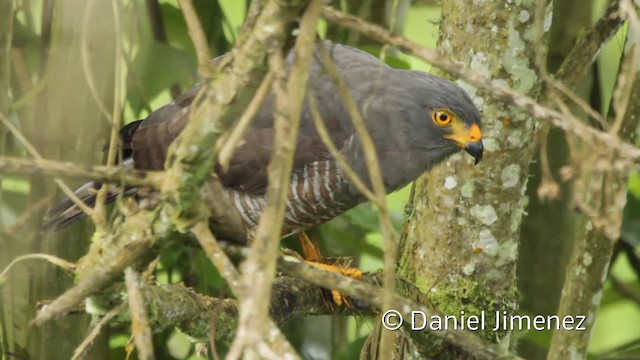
[261,262]
[192,163]
[589,46]
[107,174]
[496,89]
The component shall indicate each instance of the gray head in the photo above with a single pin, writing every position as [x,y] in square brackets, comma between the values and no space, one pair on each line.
[442,116]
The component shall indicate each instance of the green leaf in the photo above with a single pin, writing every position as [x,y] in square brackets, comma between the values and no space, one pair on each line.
[154,69]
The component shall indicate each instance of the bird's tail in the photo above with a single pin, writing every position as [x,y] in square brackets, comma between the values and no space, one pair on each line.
[66,212]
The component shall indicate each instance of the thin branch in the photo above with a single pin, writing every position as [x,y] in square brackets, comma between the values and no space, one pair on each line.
[228,271]
[375,176]
[116,120]
[375,296]
[198,37]
[139,319]
[496,89]
[628,68]
[88,341]
[333,150]
[160,34]
[589,46]
[599,195]
[107,174]
[68,266]
[182,307]
[261,263]
[86,63]
[226,97]
[32,150]
[625,290]
[131,243]
[230,142]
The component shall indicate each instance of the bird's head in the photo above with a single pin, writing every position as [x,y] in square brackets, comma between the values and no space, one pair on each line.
[465,134]
[453,121]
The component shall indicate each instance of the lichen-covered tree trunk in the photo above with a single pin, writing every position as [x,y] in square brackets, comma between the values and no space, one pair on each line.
[461,245]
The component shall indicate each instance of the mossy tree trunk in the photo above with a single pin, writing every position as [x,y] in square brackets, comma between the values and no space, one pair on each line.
[461,245]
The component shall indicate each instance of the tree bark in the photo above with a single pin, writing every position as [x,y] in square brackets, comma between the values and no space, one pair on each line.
[461,244]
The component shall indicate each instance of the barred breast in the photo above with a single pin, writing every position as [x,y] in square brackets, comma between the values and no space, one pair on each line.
[317,193]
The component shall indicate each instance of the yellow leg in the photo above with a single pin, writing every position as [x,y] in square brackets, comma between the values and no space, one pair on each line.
[310,250]
[312,257]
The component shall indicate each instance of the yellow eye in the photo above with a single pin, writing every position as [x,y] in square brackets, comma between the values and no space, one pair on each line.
[442,117]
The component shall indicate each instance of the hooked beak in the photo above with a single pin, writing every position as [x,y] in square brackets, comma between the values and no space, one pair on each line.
[475,149]
[469,139]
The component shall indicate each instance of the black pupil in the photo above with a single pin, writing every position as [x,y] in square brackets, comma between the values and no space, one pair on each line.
[444,117]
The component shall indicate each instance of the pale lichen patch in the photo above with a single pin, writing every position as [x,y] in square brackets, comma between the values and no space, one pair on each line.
[548,18]
[524,16]
[507,253]
[480,63]
[467,189]
[516,62]
[510,175]
[515,138]
[587,259]
[469,268]
[491,145]
[485,213]
[450,183]
[597,297]
[486,243]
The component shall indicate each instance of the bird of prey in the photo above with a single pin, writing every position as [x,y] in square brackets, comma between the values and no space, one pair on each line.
[415,119]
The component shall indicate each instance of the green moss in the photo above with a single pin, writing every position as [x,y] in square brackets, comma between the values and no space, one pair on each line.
[452,298]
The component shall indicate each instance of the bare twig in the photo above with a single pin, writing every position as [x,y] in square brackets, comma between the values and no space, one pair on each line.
[231,142]
[600,195]
[192,165]
[375,176]
[88,341]
[86,63]
[139,320]
[261,263]
[115,118]
[375,296]
[108,174]
[494,88]
[628,67]
[625,290]
[198,37]
[32,150]
[136,238]
[588,46]
[342,162]
[228,271]
[69,266]
[160,34]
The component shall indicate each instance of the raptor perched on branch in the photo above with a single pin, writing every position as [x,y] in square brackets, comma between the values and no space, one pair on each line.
[416,120]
